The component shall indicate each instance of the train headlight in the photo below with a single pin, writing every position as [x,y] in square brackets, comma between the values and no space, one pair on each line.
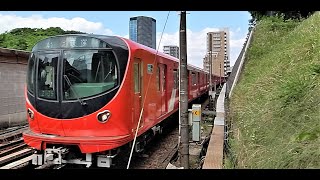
[30,113]
[103,116]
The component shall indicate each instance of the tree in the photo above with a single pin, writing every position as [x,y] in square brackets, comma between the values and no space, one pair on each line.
[257,15]
[297,15]
[25,38]
[22,44]
[2,38]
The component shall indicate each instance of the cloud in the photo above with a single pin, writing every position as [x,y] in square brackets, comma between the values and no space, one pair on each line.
[9,22]
[196,44]
[235,48]
[196,41]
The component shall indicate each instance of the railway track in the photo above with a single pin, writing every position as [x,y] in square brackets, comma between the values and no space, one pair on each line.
[51,166]
[162,152]
[14,153]
[10,134]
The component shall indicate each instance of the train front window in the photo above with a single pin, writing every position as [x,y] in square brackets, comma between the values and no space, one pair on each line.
[88,73]
[47,76]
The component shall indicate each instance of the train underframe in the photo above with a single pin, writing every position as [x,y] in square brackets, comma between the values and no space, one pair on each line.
[57,154]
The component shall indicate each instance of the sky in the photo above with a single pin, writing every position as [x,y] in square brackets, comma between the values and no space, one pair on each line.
[117,23]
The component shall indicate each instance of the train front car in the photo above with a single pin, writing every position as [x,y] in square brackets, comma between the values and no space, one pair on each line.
[77,108]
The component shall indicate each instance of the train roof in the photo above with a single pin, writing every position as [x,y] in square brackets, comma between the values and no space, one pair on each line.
[154,51]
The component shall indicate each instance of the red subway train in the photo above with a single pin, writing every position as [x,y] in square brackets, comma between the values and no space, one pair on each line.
[85,95]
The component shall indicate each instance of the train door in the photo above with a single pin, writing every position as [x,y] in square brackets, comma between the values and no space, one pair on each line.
[199,83]
[163,87]
[189,85]
[47,97]
[137,88]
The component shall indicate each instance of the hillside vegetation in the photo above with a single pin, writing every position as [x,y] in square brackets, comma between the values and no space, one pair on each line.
[25,38]
[275,107]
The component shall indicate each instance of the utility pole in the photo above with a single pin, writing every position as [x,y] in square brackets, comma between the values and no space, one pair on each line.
[220,74]
[183,103]
[210,73]
[210,81]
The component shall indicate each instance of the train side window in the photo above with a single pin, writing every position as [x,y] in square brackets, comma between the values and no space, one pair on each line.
[158,78]
[31,73]
[194,79]
[198,78]
[176,79]
[136,78]
[163,79]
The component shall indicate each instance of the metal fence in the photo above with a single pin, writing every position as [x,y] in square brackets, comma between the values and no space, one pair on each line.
[238,66]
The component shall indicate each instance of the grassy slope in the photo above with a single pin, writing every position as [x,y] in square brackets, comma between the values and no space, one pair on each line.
[275,108]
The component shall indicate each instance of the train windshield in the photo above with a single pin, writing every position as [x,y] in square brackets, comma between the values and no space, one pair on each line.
[88,73]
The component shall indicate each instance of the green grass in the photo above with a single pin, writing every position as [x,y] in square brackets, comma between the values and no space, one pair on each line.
[275,107]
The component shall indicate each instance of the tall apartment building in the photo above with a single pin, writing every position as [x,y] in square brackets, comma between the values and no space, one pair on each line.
[171,50]
[219,47]
[142,30]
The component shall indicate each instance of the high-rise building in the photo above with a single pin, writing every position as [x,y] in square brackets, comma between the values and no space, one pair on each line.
[218,46]
[142,30]
[171,50]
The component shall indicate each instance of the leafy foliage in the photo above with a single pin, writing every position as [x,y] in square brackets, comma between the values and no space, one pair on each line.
[298,15]
[25,38]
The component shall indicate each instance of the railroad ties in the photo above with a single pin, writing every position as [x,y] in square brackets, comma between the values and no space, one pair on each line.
[14,153]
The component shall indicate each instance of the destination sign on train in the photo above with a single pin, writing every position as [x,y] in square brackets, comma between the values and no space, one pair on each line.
[70,42]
